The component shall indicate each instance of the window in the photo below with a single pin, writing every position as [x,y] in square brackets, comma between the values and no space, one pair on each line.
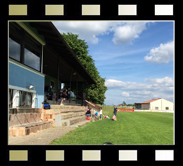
[31,59]
[167,108]
[32,52]
[28,99]
[23,47]
[25,99]
[10,98]
[156,108]
[14,49]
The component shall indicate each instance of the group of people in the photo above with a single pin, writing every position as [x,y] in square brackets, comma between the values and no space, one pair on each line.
[93,114]
[59,95]
[62,95]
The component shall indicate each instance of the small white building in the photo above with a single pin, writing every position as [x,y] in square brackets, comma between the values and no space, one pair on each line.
[157,104]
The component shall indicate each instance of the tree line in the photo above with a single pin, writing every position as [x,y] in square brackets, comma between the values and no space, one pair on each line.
[96,93]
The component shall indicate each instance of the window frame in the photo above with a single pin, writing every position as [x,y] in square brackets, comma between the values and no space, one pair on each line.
[10,98]
[24,38]
[23,96]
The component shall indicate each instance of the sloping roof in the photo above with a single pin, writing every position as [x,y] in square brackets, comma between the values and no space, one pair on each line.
[56,42]
[149,101]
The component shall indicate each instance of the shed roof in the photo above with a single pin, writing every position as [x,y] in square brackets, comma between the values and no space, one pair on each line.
[149,101]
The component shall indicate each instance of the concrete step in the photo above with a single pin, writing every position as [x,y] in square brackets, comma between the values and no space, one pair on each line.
[80,123]
[66,102]
[63,110]
[71,115]
[21,118]
[77,119]
[56,111]
[26,129]
[71,121]
[56,106]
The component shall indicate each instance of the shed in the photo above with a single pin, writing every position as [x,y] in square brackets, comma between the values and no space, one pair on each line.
[157,104]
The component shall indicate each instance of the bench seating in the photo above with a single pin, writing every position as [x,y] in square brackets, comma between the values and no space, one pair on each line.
[26,129]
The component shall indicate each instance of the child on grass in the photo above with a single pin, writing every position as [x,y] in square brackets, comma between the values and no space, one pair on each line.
[115,112]
[92,114]
[114,117]
[96,114]
[106,117]
[88,112]
[101,113]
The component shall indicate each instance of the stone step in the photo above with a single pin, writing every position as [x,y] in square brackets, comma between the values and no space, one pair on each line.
[80,123]
[71,121]
[21,118]
[56,111]
[59,110]
[71,115]
[63,107]
[26,129]
[66,102]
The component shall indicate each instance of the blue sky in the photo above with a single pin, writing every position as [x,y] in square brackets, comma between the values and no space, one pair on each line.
[136,58]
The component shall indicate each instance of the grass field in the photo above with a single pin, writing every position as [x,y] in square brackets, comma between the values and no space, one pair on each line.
[131,128]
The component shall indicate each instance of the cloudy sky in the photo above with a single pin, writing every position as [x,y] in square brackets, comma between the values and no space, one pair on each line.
[135,57]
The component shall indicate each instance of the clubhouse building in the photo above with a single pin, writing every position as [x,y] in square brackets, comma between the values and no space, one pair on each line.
[39,58]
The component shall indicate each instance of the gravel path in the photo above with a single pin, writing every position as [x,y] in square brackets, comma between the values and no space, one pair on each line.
[43,137]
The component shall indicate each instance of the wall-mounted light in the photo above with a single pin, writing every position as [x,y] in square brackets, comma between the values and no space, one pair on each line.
[30,87]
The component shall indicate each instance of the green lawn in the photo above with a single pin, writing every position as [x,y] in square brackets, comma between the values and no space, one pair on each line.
[131,128]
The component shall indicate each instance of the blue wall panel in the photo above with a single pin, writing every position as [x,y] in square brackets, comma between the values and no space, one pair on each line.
[22,77]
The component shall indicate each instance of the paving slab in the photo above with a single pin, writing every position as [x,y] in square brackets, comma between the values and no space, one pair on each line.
[43,137]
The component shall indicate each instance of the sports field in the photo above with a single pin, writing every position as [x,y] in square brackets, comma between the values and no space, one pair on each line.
[131,128]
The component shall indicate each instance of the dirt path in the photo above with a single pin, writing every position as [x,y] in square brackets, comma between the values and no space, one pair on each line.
[43,137]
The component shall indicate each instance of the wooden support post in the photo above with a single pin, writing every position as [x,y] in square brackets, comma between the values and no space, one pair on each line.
[58,68]
[82,93]
[70,85]
[76,88]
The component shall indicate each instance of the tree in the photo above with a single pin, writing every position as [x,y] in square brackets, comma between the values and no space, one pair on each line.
[124,103]
[96,93]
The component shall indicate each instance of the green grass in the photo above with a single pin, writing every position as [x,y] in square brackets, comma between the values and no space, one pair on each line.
[131,128]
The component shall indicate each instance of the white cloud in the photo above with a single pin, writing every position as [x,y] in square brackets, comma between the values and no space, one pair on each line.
[142,92]
[162,54]
[129,32]
[124,32]
[139,92]
[87,30]
[115,84]
[165,82]
[125,94]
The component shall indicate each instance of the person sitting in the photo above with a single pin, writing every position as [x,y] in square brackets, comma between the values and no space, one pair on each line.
[50,94]
[58,97]
[63,96]
[68,93]
[96,115]
[88,112]
[92,114]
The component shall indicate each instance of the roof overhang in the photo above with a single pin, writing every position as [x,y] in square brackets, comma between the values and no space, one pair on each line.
[56,42]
